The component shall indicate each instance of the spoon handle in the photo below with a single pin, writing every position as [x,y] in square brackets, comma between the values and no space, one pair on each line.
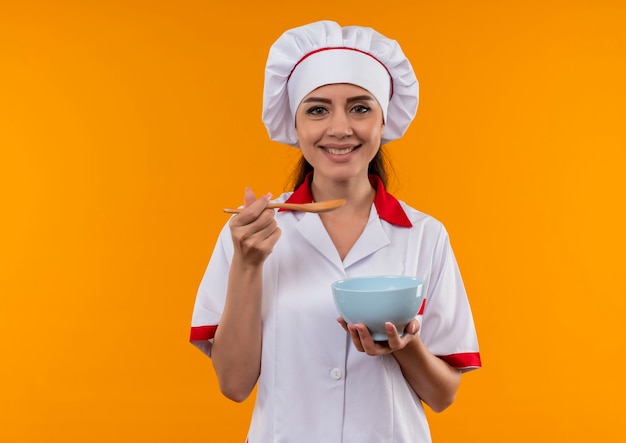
[270,206]
[306,207]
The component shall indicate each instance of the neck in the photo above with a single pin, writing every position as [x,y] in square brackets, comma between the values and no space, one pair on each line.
[357,191]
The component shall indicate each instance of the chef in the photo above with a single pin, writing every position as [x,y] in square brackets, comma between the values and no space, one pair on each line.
[264,311]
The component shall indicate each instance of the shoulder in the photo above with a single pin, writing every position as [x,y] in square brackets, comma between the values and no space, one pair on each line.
[422,221]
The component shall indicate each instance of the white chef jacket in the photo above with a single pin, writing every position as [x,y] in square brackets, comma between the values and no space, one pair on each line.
[314,385]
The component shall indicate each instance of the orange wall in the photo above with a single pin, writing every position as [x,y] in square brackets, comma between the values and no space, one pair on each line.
[125,126]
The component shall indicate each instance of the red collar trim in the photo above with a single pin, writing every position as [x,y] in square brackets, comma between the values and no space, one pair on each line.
[388,208]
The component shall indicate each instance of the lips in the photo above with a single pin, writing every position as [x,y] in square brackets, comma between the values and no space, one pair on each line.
[335,150]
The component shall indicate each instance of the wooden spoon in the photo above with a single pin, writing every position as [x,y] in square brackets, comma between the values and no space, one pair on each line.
[317,207]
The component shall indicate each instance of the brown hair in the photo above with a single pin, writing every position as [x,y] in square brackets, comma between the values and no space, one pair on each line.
[378,166]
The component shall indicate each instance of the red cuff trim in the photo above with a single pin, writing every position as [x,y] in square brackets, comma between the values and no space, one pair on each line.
[199,333]
[463,360]
[422,307]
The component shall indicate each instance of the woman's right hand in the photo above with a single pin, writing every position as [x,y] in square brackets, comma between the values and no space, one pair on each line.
[254,230]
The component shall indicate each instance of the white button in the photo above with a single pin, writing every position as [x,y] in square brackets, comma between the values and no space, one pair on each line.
[336,373]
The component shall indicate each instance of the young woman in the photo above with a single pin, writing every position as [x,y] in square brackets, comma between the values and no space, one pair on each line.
[338,94]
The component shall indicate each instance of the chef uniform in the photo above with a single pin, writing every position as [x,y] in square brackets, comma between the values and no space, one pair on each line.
[314,386]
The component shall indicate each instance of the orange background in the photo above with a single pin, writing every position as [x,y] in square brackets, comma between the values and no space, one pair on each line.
[125,127]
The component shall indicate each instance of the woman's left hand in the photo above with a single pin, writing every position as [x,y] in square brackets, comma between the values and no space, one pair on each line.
[363,341]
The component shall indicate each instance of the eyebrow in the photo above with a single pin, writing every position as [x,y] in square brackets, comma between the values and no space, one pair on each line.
[357,98]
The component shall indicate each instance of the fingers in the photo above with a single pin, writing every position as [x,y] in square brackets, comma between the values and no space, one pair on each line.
[256,240]
[358,333]
[412,328]
[363,341]
[248,197]
[393,338]
[397,342]
[343,324]
[254,230]
[253,207]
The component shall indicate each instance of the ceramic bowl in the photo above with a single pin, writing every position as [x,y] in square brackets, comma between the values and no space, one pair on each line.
[375,300]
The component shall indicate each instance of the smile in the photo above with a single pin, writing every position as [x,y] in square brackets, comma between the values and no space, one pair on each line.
[340,151]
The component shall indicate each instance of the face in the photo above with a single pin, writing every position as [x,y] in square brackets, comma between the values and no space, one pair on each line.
[339,128]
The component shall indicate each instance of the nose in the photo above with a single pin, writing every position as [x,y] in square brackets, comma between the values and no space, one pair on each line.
[339,125]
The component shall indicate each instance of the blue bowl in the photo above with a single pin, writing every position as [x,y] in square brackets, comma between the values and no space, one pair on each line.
[375,300]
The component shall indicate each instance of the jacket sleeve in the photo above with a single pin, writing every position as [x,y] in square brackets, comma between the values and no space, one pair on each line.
[447,326]
[211,295]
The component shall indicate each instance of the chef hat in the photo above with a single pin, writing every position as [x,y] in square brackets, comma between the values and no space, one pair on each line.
[322,53]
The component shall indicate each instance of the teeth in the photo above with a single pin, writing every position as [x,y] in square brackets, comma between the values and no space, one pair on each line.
[339,151]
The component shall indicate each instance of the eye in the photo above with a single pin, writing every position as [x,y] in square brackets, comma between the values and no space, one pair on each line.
[316,110]
[361,109]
